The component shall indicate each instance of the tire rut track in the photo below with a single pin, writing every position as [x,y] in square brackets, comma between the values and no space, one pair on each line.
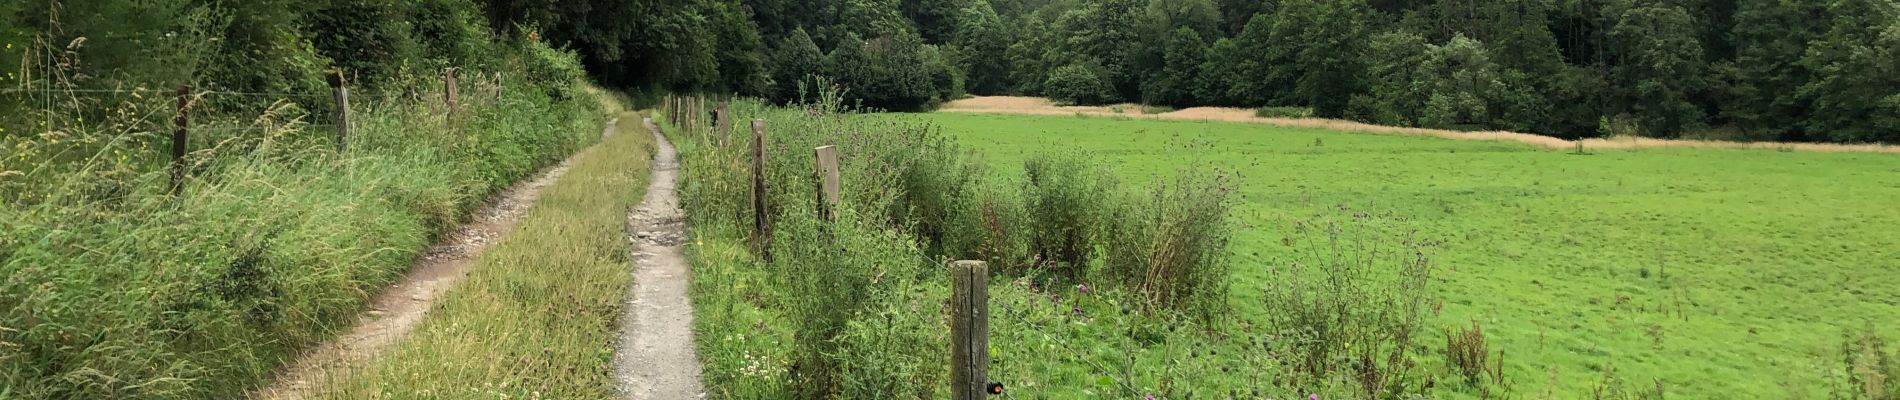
[400,307]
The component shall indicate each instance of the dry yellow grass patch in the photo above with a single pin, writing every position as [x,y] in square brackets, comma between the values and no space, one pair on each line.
[1041,106]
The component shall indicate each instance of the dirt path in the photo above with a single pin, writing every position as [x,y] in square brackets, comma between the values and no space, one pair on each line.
[399,308]
[655,357]
[1041,106]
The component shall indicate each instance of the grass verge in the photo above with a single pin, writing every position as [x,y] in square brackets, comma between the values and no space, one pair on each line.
[111,288]
[536,317]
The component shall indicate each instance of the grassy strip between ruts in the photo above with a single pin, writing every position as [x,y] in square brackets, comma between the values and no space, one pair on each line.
[536,316]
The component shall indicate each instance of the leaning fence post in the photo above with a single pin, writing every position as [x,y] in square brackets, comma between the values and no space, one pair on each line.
[342,111]
[828,185]
[969,330]
[179,123]
[759,223]
[448,90]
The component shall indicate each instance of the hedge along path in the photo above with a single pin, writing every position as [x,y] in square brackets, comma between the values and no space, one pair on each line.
[399,309]
[1041,106]
[655,358]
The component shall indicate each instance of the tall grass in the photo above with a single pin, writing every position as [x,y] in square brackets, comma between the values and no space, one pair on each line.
[1171,246]
[1068,204]
[537,315]
[110,288]
[1353,304]
[855,307]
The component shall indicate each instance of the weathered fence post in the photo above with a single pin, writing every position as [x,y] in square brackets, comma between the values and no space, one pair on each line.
[969,330]
[722,122]
[673,111]
[828,185]
[448,90]
[342,111]
[179,124]
[692,109]
[759,223]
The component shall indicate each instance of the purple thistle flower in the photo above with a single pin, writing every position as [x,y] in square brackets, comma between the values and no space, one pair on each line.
[1150,397]
[1312,396]
[1078,310]
[1082,288]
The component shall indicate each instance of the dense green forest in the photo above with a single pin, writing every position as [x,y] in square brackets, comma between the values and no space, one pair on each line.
[1801,70]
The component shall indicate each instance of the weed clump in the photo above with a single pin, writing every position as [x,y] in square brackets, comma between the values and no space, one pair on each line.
[1466,351]
[1872,373]
[1068,206]
[1352,305]
[1172,245]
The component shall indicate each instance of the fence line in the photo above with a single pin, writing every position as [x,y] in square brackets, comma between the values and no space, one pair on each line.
[156,91]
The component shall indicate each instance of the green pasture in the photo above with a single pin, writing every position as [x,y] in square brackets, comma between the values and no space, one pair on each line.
[1720,273]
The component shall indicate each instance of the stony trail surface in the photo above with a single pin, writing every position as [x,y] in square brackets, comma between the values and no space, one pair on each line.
[655,358]
[399,308]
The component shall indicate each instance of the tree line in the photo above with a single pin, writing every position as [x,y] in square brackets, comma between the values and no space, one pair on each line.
[1801,70]
[1797,70]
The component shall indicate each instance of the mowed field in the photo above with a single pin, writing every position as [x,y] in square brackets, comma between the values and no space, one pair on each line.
[1718,272]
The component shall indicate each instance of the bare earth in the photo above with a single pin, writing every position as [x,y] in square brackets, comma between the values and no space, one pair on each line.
[1041,106]
[655,357]
[398,309]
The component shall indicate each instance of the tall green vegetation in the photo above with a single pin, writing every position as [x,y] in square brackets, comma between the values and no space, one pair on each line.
[840,306]
[111,287]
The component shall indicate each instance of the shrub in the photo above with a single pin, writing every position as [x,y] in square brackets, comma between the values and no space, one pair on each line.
[1283,112]
[558,72]
[450,33]
[1872,373]
[795,61]
[1078,84]
[1351,304]
[834,272]
[992,225]
[1172,247]
[1466,352]
[1067,209]
[881,354]
[898,73]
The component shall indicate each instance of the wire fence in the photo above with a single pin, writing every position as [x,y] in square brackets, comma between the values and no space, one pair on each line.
[1074,355]
[168,92]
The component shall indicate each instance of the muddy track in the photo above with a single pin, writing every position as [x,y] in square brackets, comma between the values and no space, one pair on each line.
[400,307]
[655,358]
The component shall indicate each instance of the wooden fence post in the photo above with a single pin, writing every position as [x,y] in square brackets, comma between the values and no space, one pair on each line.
[342,111]
[758,183]
[969,330]
[448,90]
[828,182]
[179,124]
[722,122]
